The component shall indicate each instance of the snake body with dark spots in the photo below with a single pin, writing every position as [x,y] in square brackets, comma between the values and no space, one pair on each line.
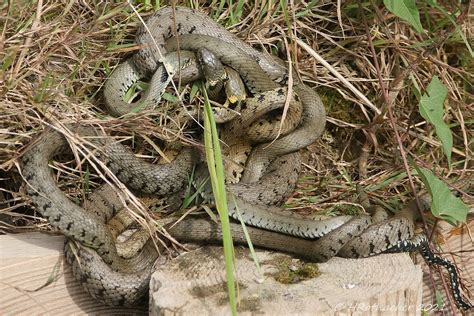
[70,218]
[168,23]
[117,280]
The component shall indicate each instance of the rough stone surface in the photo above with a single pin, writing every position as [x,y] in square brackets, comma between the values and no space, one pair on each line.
[194,283]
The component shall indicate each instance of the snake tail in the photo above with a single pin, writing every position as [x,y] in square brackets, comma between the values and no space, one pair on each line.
[420,243]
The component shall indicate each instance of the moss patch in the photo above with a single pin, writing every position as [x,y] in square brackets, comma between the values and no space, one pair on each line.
[292,271]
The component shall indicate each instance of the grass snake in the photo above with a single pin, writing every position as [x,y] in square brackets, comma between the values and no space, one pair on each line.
[122,280]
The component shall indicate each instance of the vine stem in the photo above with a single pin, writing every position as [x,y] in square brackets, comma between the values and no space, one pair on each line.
[391,118]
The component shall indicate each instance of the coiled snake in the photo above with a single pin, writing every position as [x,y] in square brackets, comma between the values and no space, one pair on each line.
[266,180]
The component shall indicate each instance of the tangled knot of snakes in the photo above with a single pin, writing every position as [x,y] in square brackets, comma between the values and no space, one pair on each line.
[188,38]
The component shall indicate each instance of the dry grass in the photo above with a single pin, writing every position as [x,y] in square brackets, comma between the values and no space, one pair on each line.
[56,60]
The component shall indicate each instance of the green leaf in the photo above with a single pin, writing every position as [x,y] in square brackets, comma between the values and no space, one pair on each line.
[439,300]
[405,10]
[134,90]
[432,110]
[444,204]
[169,97]
[194,90]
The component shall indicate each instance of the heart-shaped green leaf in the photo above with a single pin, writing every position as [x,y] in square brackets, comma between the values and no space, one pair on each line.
[432,110]
[405,10]
[444,204]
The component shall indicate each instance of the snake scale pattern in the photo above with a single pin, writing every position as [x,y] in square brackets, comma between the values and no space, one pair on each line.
[269,175]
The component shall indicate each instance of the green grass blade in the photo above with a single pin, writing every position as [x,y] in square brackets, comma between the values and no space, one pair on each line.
[249,243]
[216,171]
